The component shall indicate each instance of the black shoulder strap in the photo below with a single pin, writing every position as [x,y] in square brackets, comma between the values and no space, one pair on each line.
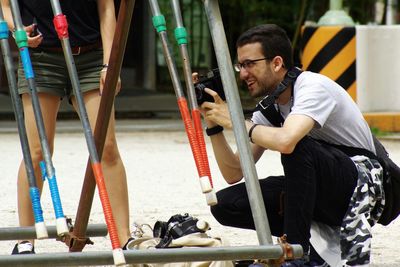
[266,105]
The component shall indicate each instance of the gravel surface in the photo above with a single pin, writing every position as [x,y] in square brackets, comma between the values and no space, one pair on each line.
[162,182]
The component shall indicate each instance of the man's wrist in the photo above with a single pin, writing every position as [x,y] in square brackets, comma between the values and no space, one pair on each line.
[251,132]
[214,130]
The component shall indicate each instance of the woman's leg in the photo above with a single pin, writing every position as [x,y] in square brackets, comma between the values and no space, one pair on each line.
[113,167]
[49,106]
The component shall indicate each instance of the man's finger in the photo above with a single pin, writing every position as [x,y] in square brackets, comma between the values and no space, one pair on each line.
[217,98]
[195,77]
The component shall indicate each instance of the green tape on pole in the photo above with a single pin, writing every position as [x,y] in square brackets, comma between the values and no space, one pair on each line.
[181,35]
[21,38]
[159,23]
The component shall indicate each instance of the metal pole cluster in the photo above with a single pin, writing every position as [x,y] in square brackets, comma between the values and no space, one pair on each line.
[194,133]
[77,240]
[204,170]
[21,40]
[264,251]
[61,26]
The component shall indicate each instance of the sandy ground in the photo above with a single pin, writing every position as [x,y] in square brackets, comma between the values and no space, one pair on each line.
[162,182]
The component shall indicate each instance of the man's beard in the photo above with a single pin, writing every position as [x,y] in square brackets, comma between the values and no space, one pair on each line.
[267,90]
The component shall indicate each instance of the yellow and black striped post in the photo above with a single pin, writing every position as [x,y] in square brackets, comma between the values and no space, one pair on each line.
[331,51]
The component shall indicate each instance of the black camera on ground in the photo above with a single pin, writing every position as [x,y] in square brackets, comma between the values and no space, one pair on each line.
[212,81]
[177,226]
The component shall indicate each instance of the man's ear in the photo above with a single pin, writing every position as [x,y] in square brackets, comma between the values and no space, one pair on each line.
[277,63]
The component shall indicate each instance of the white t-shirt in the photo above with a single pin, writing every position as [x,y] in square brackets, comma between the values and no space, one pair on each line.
[338,119]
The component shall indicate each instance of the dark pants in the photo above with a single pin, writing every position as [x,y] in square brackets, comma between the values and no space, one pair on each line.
[318,184]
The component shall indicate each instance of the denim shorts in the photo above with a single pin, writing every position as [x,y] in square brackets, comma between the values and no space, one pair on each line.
[51,73]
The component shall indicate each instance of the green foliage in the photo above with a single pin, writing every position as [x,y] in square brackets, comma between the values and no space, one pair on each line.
[377,132]
[362,11]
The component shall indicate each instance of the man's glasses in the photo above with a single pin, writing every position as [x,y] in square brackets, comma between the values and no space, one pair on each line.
[248,64]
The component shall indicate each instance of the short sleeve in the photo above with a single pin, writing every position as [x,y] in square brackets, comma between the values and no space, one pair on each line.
[315,101]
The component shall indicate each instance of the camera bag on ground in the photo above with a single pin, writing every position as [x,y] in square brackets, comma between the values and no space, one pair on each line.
[180,231]
[391,179]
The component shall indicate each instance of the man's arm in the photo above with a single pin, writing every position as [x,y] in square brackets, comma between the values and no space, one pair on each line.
[283,139]
[228,161]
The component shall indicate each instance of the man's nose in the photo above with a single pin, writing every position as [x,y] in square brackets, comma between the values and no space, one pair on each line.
[243,74]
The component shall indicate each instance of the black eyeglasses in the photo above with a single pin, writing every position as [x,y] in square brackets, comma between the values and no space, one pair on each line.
[248,64]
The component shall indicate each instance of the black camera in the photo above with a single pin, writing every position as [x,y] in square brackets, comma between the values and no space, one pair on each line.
[177,226]
[212,81]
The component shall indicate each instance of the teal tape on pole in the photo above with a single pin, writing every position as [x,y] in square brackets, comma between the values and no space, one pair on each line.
[21,38]
[3,30]
[181,35]
[159,23]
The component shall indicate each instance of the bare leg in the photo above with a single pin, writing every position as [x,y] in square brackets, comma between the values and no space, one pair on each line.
[113,168]
[49,106]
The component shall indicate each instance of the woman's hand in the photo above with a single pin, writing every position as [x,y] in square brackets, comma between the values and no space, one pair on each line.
[33,40]
[103,74]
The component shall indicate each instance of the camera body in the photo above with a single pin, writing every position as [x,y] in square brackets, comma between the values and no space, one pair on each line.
[177,226]
[212,81]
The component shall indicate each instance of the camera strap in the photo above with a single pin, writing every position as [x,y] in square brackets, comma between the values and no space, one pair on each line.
[266,105]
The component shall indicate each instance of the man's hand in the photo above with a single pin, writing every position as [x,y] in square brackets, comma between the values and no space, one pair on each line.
[216,112]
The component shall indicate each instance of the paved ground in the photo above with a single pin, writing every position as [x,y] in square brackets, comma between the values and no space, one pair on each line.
[162,181]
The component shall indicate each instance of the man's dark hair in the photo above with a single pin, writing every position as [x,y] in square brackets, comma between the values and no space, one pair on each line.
[273,39]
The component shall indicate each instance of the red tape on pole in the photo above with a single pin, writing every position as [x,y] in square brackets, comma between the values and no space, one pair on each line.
[182,104]
[105,202]
[61,26]
[196,117]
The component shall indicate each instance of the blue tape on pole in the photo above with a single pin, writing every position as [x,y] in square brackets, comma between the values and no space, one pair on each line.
[3,30]
[55,196]
[37,209]
[26,63]
[43,170]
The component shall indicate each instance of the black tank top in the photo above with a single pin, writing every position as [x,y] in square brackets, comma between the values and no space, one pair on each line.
[82,17]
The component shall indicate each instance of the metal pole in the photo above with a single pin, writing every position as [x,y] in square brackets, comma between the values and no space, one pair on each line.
[160,26]
[239,129]
[149,256]
[26,233]
[103,118]
[204,173]
[61,26]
